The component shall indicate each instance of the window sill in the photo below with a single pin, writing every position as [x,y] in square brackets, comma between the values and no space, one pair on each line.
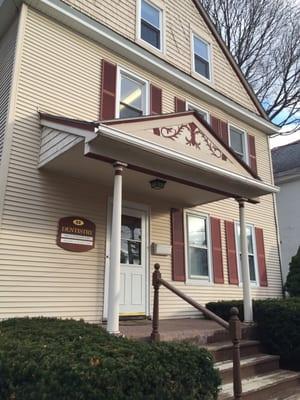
[198,282]
[160,53]
[202,78]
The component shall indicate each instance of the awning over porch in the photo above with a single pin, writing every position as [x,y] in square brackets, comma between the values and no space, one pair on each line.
[180,148]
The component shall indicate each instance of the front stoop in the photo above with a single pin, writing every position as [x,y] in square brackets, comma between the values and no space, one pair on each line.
[261,377]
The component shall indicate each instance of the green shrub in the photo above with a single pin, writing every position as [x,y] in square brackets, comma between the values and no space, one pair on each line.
[47,359]
[278,323]
[292,285]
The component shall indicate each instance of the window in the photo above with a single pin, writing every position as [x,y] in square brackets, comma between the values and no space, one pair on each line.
[251,251]
[237,141]
[201,57]
[151,24]
[204,114]
[132,96]
[197,247]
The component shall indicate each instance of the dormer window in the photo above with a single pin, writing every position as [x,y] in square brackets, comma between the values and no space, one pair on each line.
[201,57]
[151,24]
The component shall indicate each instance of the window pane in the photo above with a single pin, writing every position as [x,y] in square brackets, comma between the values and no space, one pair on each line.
[150,34]
[150,14]
[197,231]
[250,240]
[252,268]
[201,66]
[131,232]
[237,140]
[202,113]
[198,262]
[127,112]
[201,48]
[131,92]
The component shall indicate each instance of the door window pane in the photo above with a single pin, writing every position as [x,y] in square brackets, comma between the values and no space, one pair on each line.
[197,246]
[132,97]
[131,237]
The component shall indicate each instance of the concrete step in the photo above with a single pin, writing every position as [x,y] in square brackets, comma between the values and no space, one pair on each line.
[223,351]
[250,366]
[277,385]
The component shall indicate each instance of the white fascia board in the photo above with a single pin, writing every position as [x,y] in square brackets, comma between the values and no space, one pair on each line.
[124,47]
[121,136]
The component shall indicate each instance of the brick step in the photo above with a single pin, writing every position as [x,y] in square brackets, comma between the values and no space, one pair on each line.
[276,385]
[250,366]
[222,351]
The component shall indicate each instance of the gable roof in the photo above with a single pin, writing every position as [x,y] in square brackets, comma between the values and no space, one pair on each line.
[286,158]
[230,58]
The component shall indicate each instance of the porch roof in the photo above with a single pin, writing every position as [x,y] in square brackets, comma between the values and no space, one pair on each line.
[179,147]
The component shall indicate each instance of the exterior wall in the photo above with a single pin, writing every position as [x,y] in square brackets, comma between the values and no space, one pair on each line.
[60,74]
[7,54]
[181,18]
[288,200]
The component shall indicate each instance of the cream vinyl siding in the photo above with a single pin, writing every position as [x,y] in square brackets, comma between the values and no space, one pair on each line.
[7,56]
[181,18]
[60,74]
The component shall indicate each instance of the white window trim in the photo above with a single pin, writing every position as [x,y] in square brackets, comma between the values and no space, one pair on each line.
[197,36]
[188,104]
[202,281]
[255,284]
[245,140]
[160,8]
[120,71]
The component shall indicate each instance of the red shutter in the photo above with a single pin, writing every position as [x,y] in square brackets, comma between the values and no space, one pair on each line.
[231,253]
[224,132]
[179,105]
[261,258]
[155,100]
[252,153]
[217,250]
[178,260]
[108,90]
[220,128]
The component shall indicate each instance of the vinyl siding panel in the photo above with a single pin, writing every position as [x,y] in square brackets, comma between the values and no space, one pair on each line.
[60,74]
[181,18]
[7,56]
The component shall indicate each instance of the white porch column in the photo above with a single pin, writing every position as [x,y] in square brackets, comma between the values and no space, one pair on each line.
[248,312]
[115,249]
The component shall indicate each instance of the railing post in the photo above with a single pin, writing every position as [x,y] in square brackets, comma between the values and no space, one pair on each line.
[155,336]
[236,334]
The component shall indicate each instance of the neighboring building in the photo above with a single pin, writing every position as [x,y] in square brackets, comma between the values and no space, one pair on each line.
[174,107]
[286,166]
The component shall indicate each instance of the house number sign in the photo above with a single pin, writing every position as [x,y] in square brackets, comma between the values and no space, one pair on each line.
[76,234]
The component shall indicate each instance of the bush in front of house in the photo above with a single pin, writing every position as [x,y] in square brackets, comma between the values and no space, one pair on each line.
[292,285]
[278,323]
[43,358]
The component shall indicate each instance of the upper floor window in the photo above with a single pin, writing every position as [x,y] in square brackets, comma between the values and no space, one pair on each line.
[151,24]
[201,57]
[204,114]
[251,252]
[132,94]
[197,246]
[237,141]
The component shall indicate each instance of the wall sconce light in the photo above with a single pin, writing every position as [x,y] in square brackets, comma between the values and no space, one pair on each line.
[157,184]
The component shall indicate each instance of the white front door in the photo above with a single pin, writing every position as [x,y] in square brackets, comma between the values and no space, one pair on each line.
[133,262]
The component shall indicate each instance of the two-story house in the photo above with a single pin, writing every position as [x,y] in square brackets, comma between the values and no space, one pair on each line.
[129,137]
